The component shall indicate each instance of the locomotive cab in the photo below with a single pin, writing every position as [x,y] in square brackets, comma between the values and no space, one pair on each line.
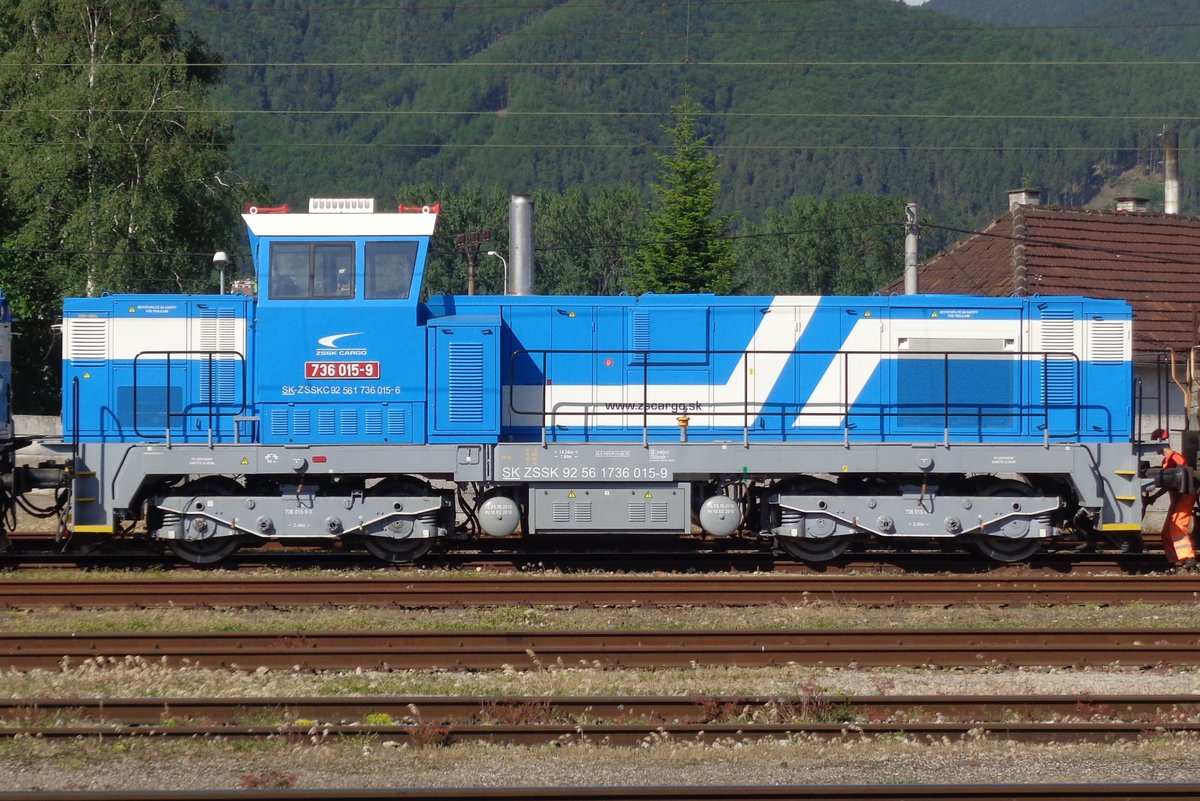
[338,314]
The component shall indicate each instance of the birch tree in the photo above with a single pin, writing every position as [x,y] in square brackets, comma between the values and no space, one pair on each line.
[114,174]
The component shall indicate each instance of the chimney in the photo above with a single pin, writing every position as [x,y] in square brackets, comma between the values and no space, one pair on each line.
[1133,204]
[1171,166]
[1024,197]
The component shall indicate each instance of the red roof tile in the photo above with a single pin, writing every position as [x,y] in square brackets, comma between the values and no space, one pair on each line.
[1151,260]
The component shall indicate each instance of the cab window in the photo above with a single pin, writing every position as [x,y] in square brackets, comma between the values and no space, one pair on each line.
[389,269]
[301,270]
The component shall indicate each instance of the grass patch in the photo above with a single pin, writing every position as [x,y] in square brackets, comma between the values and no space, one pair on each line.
[542,618]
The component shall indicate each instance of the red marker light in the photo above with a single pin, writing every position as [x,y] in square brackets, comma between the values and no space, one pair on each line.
[319,460]
[267,209]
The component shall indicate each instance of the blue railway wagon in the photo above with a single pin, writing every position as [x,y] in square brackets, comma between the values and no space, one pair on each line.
[339,404]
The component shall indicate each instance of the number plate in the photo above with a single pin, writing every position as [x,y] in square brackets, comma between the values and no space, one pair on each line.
[341,370]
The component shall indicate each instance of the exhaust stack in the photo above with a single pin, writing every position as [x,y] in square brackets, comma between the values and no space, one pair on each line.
[520,245]
[1171,167]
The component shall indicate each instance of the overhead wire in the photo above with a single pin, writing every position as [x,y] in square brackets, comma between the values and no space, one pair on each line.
[546,7]
[593,113]
[647,146]
[631,244]
[627,64]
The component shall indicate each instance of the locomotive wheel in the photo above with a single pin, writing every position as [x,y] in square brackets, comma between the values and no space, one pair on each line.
[810,549]
[204,552]
[398,551]
[1006,549]
[212,550]
[807,550]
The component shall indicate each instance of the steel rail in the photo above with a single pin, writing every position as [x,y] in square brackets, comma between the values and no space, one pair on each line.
[629,734]
[468,591]
[916,792]
[480,650]
[575,709]
[686,556]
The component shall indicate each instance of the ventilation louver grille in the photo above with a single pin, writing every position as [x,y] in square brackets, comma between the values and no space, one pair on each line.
[1108,341]
[88,341]
[641,331]
[1058,341]
[465,391]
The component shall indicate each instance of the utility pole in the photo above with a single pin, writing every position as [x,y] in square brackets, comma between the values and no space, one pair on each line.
[912,234]
[470,244]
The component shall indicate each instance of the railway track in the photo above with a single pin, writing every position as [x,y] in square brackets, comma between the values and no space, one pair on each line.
[138,712]
[630,554]
[482,650]
[431,592]
[633,734]
[944,792]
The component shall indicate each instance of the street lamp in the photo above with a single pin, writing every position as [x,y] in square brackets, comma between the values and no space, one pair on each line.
[505,263]
[221,261]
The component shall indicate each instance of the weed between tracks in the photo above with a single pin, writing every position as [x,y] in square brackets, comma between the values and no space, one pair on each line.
[130,676]
[817,616]
[292,755]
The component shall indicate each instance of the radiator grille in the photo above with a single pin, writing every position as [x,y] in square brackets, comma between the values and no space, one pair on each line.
[219,330]
[1108,341]
[641,331]
[465,390]
[88,340]
[1059,372]
[1058,331]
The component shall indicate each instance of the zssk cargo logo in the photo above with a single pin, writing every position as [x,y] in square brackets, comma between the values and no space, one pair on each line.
[329,346]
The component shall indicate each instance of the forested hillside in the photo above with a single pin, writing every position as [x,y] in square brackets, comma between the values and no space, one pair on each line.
[821,98]
[1019,12]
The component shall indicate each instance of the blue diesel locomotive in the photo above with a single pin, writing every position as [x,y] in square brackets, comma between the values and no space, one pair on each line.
[339,405]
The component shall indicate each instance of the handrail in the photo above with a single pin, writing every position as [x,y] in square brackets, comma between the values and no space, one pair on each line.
[946,410]
[75,426]
[210,406]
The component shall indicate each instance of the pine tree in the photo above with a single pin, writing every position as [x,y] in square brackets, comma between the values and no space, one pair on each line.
[687,249]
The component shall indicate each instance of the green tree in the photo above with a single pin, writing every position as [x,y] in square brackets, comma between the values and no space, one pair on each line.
[472,210]
[583,240]
[113,171]
[687,249]
[824,247]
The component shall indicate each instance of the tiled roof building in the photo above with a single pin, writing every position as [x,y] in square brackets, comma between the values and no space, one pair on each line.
[1151,260]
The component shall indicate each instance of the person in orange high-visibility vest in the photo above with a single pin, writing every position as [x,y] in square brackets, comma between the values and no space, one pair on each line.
[1177,530]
